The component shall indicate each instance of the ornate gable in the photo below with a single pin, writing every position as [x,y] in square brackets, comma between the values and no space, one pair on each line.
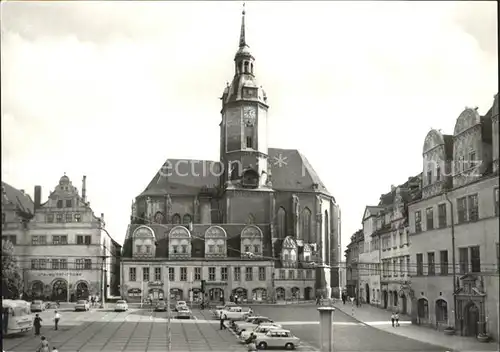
[289,243]
[251,231]
[215,232]
[467,119]
[179,232]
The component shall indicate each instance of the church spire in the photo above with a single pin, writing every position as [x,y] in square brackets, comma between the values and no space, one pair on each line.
[242,32]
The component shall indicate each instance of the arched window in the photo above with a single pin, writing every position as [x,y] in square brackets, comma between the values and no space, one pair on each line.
[281,223]
[246,66]
[441,311]
[176,219]
[186,219]
[305,225]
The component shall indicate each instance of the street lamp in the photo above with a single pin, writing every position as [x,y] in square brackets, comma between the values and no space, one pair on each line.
[169,333]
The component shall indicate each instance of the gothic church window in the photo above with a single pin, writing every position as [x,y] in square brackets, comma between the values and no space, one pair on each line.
[305,225]
[281,223]
[186,219]
[159,218]
[176,219]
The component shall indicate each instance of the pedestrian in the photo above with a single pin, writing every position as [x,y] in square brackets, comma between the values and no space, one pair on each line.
[317,301]
[393,318]
[250,311]
[37,323]
[222,326]
[92,300]
[251,342]
[57,317]
[396,317]
[343,298]
[44,345]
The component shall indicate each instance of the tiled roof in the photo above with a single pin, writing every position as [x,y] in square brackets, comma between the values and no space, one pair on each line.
[14,196]
[290,171]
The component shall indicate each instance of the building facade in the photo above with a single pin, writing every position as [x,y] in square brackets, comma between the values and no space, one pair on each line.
[67,253]
[454,228]
[352,259]
[256,204]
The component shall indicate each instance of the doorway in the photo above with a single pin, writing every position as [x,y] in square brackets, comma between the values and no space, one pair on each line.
[471,320]
[386,298]
[422,311]
[367,287]
[404,304]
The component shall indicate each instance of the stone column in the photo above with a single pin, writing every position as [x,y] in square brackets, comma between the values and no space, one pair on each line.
[326,328]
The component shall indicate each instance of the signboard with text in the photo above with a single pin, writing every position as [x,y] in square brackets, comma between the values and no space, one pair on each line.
[57,273]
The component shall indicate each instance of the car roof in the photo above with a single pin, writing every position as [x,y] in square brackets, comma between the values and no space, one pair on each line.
[121,301]
[281,330]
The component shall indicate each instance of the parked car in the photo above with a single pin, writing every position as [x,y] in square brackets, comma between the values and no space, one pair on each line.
[183,312]
[240,327]
[277,338]
[259,330]
[219,309]
[121,306]
[82,305]
[180,304]
[161,306]
[37,306]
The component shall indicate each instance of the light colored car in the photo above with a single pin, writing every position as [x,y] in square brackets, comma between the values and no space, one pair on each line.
[277,338]
[218,310]
[82,305]
[37,306]
[259,330]
[183,312]
[252,324]
[121,306]
[234,313]
[180,304]
[161,306]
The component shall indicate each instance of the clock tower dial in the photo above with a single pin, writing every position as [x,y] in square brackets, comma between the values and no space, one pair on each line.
[249,115]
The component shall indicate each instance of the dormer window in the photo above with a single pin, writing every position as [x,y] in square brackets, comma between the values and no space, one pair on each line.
[184,249]
[211,248]
[249,142]
[256,248]
[69,203]
[247,249]
[60,204]
[175,249]
[138,249]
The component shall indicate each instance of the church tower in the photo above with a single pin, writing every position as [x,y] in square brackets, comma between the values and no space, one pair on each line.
[244,125]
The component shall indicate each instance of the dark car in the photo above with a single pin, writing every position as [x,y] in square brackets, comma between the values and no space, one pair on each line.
[161,306]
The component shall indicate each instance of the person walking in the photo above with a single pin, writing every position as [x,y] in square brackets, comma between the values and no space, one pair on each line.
[92,301]
[44,345]
[37,323]
[222,326]
[343,298]
[57,317]
[396,317]
[393,318]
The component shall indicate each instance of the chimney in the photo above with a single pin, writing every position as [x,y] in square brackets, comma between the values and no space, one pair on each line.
[84,189]
[38,196]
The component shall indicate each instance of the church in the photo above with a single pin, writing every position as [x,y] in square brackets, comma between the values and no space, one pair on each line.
[258,223]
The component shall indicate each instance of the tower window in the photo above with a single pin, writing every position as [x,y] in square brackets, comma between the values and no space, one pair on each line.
[251,68]
[246,66]
[241,67]
[249,142]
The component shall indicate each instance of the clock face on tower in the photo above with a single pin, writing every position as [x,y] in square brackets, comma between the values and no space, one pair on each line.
[249,114]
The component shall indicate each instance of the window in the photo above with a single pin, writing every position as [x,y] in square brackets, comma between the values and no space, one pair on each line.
[262,273]
[171,274]
[309,274]
[443,260]
[158,274]
[429,177]
[401,238]
[463,255]
[256,248]
[78,217]
[223,274]
[401,266]
[211,248]
[63,239]
[34,264]
[282,274]
[472,159]
[42,263]
[418,221]
[237,274]
[429,217]
[497,206]
[475,260]
[79,263]
[291,274]
[148,249]
[88,239]
[49,218]
[197,274]
[249,274]
[249,142]
[462,210]
[55,263]
[34,240]
[60,204]
[220,248]
[420,264]
[394,271]
[473,208]
[438,173]
[63,263]
[56,239]
[186,219]
[131,274]
[431,264]
[79,239]
[59,218]
[145,274]
[442,215]
[88,264]
[211,273]
[184,274]
[69,203]
[138,249]
[176,219]
[300,274]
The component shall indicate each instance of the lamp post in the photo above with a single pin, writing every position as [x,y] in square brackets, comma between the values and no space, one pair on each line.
[169,333]
[452,217]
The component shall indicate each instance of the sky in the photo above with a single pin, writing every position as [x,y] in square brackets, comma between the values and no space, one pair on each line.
[111,90]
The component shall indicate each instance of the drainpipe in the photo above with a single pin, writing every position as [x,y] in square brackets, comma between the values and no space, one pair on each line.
[453,261]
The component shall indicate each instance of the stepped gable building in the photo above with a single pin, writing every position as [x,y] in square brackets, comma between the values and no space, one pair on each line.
[258,223]
[65,252]
[454,229]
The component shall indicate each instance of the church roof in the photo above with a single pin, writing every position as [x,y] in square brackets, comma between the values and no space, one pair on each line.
[14,196]
[290,171]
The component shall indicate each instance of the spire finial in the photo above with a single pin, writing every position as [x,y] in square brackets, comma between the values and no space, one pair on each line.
[242,33]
